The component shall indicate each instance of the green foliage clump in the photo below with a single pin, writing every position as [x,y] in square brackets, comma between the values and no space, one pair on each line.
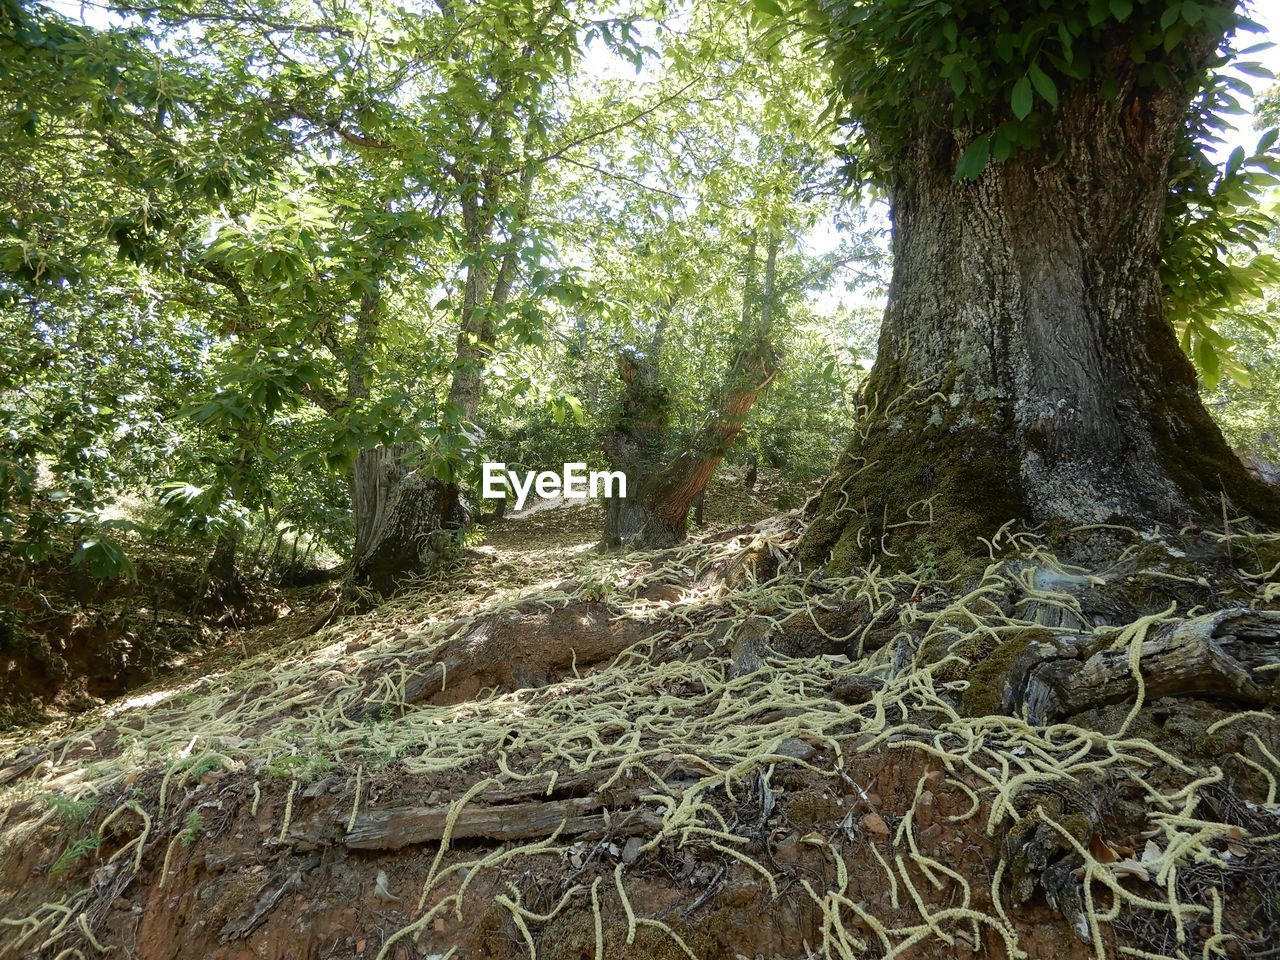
[1001,70]
[76,850]
[192,828]
[71,811]
[303,767]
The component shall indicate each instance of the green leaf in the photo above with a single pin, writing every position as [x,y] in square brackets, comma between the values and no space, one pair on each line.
[1121,9]
[1003,144]
[1022,98]
[575,407]
[1044,85]
[1206,356]
[1254,70]
[771,7]
[975,158]
[1233,162]
[1240,375]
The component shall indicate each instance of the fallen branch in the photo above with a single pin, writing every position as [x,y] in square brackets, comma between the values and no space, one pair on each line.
[1211,656]
[397,827]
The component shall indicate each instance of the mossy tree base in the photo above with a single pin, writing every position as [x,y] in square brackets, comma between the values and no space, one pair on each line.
[1026,369]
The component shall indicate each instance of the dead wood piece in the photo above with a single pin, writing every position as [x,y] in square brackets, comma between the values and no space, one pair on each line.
[398,827]
[1210,656]
[238,928]
[19,767]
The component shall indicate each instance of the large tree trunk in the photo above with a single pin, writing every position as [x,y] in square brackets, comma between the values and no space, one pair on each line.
[1026,370]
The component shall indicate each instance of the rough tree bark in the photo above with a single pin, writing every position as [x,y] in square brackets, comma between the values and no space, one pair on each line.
[1026,369]
[661,484]
[406,522]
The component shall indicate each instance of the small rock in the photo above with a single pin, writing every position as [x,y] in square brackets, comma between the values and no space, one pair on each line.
[631,850]
[930,834]
[874,823]
[320,786]
[796,748]
[924,809]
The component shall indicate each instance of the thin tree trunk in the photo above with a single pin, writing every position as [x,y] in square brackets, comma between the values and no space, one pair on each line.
[224,587]
[222,564]
[363,482]
[1026,370]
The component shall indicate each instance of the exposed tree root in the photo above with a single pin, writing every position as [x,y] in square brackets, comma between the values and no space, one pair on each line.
[1222,655]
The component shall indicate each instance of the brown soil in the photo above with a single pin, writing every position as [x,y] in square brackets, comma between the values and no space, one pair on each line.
[69,642]
[558,754]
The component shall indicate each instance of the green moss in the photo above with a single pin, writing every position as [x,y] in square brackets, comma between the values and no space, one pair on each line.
[1079,826]
[964,656]
[913,452]
[988,677]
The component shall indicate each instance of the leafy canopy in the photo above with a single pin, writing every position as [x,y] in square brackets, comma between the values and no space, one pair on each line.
[993,76]
[1001,70]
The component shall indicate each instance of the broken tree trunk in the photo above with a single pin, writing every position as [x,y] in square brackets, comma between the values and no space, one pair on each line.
[406,522]
[224,586]
[1215,656]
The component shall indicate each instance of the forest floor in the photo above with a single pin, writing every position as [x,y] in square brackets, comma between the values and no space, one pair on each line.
[69,642]
[708,751]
